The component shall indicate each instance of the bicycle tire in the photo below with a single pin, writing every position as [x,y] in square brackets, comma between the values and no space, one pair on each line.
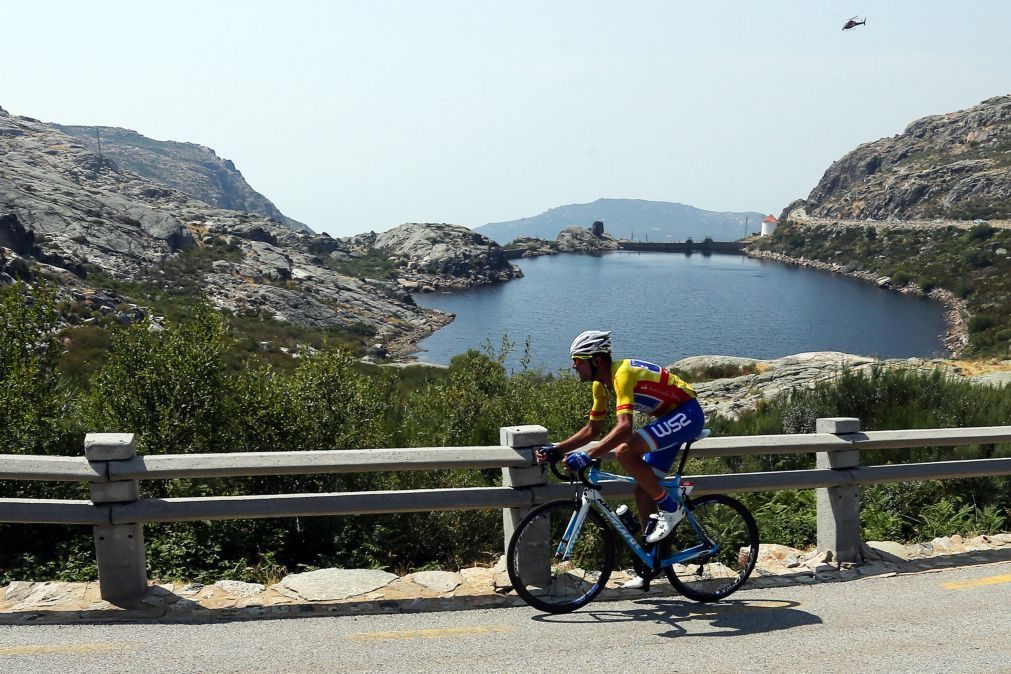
[731,526]
[550,584]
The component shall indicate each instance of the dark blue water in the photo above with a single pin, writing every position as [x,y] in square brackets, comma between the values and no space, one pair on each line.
[663,307]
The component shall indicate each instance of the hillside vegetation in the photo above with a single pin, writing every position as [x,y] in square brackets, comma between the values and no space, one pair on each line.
[178,390]
[971,263]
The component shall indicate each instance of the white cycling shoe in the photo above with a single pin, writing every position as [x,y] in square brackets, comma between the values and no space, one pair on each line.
[634,584]
[665,522]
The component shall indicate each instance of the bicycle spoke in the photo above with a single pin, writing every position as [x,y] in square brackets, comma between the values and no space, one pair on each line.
[548,580]
[729,527]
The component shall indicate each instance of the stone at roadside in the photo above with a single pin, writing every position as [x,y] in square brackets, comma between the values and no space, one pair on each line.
[479,577]
[778,559]
[332,584]
[920,550]
[502,581]
[1001,539]
[19,590]
[946,544]
[238,588]
[437,581]
[889,550]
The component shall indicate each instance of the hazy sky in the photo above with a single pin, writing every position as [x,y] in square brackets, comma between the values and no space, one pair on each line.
[357,116]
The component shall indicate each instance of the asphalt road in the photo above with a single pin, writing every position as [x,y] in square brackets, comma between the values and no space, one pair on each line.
[956,620]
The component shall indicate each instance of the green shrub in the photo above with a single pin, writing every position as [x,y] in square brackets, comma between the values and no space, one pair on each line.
[36,405]
[901,278]
[981,322]
[169,387]
[981,232]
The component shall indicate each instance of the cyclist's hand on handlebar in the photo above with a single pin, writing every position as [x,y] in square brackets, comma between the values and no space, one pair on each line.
[577,460]
[547,453]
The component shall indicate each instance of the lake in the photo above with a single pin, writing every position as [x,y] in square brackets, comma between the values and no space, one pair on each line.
[663,307]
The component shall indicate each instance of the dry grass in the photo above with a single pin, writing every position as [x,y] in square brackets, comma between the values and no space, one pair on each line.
[972,368]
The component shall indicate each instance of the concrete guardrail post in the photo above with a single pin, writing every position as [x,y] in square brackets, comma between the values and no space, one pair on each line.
[839,507]
[119,548]
[525,439]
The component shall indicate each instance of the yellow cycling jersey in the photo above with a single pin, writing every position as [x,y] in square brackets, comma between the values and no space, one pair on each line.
[641,387]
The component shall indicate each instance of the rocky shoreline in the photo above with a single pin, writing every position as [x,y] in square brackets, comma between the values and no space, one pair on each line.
[732,396]
[956,313]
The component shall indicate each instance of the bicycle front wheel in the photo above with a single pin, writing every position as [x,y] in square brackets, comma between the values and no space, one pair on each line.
[727,523]
[554,574]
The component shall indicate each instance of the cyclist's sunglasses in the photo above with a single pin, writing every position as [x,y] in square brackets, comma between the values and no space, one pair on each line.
[582,357]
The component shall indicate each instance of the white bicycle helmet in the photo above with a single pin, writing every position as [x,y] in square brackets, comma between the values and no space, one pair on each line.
[591,342]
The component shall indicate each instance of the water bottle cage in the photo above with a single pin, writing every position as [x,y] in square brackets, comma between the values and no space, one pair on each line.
[630,521]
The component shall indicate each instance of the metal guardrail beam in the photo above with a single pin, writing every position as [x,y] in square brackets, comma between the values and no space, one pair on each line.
[747,445]
[236,464]
[938,470]
[48,468]
[169,466]
[51,511]
[307,505]
[929,437]
[432,500]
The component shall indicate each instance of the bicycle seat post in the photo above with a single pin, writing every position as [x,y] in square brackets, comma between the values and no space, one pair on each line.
[688,445]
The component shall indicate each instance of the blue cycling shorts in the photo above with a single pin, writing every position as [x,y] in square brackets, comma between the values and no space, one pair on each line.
[665,435]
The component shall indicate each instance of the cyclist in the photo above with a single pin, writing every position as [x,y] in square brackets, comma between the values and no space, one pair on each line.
[648,453]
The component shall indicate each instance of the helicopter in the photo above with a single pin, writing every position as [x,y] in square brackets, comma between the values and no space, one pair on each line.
[854,22]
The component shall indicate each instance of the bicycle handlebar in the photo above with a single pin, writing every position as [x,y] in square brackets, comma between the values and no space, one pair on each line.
[581,473]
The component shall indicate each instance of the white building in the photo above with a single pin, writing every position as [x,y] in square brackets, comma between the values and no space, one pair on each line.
[769,223]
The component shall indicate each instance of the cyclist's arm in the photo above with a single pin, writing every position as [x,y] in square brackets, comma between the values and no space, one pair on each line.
[594,427]
[588,433]
[624,392]
[621,432]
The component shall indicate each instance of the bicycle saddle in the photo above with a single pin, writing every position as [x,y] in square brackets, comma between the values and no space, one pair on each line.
[703,435]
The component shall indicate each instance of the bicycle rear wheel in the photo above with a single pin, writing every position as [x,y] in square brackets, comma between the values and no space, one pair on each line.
[543,575]
[727,523]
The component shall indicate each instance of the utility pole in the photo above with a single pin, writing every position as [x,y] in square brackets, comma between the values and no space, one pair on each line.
[98,137]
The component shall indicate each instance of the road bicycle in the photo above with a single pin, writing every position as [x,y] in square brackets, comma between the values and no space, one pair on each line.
[562,553]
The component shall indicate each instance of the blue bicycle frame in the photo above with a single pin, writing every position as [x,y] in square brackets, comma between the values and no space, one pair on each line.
[593,498]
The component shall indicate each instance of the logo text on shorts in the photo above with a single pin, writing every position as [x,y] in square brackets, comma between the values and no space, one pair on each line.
[672,425]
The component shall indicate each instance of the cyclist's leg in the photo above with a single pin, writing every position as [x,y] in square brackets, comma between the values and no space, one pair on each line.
[668,434]
[647,484]
[645,505]
[665,436]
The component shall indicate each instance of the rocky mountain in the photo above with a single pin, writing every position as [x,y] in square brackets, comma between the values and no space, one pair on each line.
[628,219]
[954,166]
[585,240]
[192,169]
[69,213]
[431,255]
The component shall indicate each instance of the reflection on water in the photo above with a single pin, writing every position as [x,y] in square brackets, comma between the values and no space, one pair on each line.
[663,307]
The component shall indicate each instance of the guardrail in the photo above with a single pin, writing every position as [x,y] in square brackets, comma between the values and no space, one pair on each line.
[113,470]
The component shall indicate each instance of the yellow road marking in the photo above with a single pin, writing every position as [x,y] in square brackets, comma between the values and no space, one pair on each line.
[979,582]
[435,633]
[60,649]
[769,604]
